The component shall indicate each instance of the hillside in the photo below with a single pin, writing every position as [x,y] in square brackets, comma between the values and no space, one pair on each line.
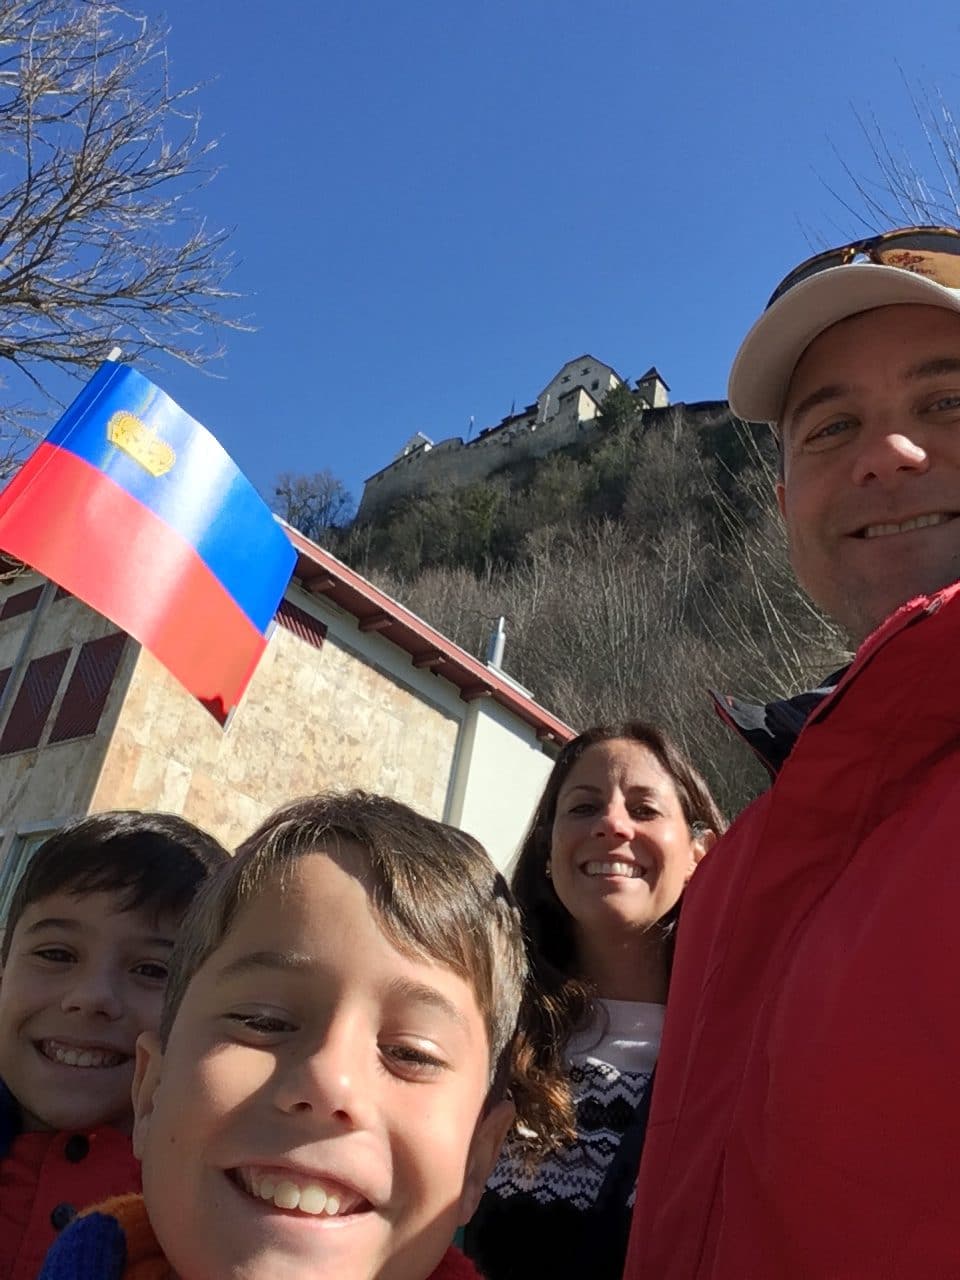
[634,573]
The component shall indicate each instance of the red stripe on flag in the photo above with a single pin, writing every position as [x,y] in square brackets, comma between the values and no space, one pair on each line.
[74,524]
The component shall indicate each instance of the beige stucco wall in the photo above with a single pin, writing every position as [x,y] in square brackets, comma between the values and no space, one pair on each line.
[311,719]
[45,786]
[501,772]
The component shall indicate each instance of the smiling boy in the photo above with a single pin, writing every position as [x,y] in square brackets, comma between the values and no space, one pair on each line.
[326,1096]
[84,961]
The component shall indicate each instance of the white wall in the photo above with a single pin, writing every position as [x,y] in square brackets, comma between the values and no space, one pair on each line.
[577,373]
[499,773]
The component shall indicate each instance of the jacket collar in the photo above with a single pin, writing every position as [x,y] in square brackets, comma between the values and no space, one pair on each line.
[771,729]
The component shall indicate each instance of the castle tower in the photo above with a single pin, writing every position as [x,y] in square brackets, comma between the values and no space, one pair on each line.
[652,390]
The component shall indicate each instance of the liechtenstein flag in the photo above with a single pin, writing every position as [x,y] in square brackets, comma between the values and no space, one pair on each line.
[135,508]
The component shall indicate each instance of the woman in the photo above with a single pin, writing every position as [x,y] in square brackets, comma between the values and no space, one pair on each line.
[620,827]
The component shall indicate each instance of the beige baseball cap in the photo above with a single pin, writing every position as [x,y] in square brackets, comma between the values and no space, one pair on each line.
[770,352]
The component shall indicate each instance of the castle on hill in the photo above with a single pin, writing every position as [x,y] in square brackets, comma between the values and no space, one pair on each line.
[564,412]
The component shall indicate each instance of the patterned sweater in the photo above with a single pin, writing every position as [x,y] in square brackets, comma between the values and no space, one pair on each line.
[114,1241]
[562,1218]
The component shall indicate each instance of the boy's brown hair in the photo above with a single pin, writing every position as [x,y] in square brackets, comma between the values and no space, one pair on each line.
[155,861]
[434,890]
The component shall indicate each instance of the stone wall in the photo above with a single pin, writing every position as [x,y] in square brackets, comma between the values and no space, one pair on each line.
[311,719]
[563,412]
[44,786]
[452,463]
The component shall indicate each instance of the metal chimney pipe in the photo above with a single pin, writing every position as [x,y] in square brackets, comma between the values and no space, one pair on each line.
[496,643]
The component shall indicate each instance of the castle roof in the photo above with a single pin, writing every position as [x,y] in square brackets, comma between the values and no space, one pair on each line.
[653,372]
[579,360]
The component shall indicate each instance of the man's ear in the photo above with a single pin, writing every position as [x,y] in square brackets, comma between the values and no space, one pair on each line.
[488,1137]
[782,498]
[146,1077]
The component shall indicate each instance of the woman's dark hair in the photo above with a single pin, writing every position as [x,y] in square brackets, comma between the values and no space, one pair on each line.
[560,1002]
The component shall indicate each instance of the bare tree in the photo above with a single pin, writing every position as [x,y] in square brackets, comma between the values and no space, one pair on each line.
[905,182]
[100,155]
[313,503]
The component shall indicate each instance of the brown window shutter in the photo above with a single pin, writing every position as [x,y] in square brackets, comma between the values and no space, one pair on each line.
[301,624]
[22,602]
[89,685]
[33,702]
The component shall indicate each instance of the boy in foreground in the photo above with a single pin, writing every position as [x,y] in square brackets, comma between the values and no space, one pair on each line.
[84,963]
[326,1095]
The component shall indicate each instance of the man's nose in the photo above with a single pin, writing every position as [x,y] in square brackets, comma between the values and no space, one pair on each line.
[884,456]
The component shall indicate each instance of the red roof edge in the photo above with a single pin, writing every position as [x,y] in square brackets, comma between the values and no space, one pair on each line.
[321,573]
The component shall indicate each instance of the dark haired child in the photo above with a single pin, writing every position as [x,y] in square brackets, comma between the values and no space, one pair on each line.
[326,1095]
[83,966]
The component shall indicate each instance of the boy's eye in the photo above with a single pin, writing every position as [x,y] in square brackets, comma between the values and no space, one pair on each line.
[264,1024]
[412,1062]
[54,955]
[153,970]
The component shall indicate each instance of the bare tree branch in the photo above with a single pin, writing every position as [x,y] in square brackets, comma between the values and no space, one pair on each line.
[99,159]
[313,504]
[915,183]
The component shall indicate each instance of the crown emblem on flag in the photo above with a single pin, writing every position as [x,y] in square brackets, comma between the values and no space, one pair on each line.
[139,442]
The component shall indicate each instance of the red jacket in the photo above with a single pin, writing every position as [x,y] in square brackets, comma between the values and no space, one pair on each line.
[45,1179]
[806,1116]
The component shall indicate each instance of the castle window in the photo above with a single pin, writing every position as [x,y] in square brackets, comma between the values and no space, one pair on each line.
[565,378]
[585,371]
[595,384]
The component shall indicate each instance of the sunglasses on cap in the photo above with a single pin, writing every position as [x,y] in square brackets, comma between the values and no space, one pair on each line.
[926,251]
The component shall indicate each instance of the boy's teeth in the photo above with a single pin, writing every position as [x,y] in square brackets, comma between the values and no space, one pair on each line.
[71,1057]
[313,1200]
[308,1197]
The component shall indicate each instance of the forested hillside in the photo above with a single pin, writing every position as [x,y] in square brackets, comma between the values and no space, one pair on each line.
[634,573]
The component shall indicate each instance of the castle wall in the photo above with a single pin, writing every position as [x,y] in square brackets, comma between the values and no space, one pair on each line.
[564,412]
[454,464]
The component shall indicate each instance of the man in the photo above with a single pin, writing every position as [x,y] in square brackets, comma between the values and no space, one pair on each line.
[806,1118]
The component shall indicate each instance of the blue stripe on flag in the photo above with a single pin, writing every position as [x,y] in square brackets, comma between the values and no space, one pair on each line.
[204,496]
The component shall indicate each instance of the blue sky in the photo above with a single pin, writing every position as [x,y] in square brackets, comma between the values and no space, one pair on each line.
[437,203]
